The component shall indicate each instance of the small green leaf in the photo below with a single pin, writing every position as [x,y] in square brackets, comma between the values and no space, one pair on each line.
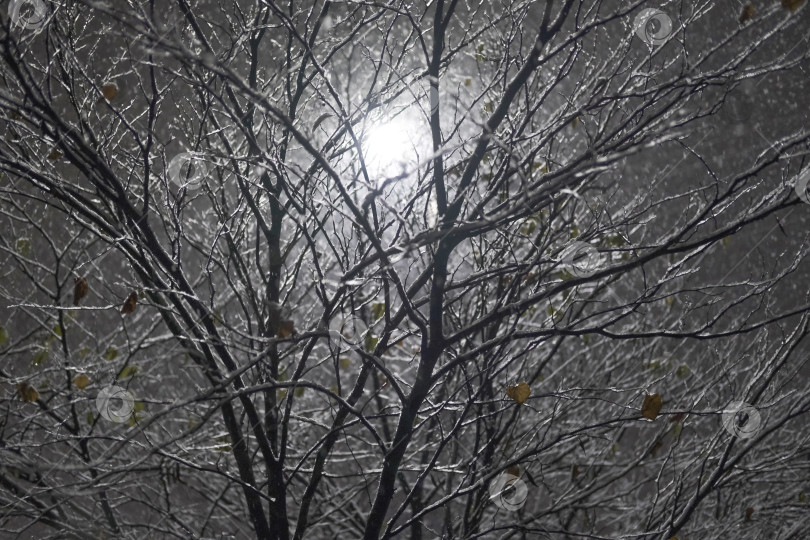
[345,363]
[224,438]
[371,342]
[528,227]
[378,310]
[565,275]
[23,246]
[139,406]
[90,419]
[111,353]
[299,391]
[57,329]
[3,336]
[129,371]
[479,53]
[40,357]
[683,371]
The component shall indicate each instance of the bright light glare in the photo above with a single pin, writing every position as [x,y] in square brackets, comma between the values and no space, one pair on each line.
[388,147]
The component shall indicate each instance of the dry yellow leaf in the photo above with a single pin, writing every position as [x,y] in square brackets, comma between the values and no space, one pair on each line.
[81,381]
[652,406]
[519,393]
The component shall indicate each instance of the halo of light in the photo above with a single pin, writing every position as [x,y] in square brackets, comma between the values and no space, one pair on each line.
[389,147]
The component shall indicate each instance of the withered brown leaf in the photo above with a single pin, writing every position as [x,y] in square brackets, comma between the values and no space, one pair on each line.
[286,329]
[129,305]
[747,13]
[27,393]
[651,406]
[80,289]
[792,5]
[109,91]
